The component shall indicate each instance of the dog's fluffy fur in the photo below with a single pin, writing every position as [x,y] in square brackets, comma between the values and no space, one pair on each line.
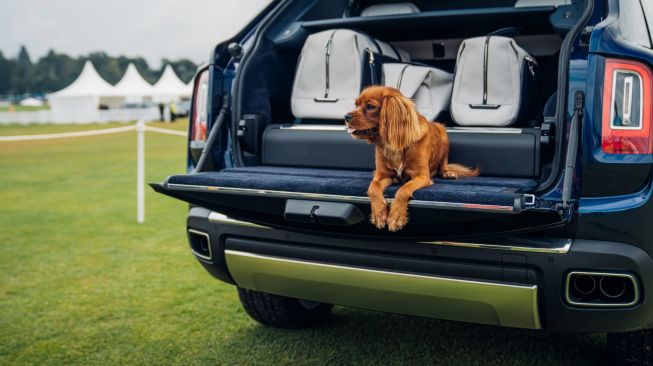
[409,150]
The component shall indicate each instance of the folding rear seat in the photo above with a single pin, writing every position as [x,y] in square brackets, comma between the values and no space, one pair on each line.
[324,89]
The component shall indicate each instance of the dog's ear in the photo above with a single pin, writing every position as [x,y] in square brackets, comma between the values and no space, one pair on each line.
[399,123]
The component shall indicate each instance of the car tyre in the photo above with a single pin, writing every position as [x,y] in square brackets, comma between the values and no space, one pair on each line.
[282,312]
[631,348]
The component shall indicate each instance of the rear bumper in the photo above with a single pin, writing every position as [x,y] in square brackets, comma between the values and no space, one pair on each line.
[512,286]
[406,293]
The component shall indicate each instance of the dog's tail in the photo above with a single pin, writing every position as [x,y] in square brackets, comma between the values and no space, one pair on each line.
[463,171]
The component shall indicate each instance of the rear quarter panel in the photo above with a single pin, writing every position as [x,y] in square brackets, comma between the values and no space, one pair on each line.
[616,189]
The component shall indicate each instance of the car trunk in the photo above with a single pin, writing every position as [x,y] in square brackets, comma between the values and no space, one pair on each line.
[270,168]
[334,201]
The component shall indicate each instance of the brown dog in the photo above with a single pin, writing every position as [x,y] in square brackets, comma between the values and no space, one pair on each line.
[409,150]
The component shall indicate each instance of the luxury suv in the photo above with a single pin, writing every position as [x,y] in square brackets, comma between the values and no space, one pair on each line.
[557,231]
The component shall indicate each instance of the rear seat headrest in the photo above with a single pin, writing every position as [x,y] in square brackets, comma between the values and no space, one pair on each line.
[389,9]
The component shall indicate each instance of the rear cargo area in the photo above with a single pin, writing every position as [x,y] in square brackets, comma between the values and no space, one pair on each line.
[299,144]
[341,182]
[286,138]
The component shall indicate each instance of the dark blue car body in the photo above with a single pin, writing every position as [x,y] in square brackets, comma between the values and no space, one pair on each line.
[601,201]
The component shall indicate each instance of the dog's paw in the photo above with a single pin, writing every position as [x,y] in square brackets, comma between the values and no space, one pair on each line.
[397,220]
[379,221]
[449,175]
[379,216]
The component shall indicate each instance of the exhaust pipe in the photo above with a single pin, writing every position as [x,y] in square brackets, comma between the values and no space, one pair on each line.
[612,287]
[200,244]
[601,289]
[584,284]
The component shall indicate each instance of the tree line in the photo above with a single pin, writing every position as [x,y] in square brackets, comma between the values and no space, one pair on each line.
[55,71]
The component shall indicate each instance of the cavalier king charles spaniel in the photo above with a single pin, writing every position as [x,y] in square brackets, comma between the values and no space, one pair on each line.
[409,150]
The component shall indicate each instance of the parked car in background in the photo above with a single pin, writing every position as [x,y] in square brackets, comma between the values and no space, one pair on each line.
[183,108]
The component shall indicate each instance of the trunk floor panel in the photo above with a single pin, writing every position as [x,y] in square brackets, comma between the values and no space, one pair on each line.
[477,190]
[520,183]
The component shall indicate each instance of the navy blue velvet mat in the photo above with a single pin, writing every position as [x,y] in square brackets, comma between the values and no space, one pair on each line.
[520,183]
[479,190]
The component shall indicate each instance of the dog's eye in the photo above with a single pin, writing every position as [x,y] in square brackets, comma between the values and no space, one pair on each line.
[369,106]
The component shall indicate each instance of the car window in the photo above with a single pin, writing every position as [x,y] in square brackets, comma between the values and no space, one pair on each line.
[647,5]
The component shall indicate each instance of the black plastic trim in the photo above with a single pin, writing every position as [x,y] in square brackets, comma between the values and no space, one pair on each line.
[444,23]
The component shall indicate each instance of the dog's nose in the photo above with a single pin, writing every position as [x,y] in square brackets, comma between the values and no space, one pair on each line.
[348,117]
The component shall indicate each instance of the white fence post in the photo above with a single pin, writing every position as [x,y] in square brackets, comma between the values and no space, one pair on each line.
[140,174]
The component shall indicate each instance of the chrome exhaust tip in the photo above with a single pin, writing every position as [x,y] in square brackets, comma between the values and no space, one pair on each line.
[584,284]
[601,289]
[200,244]
[612,286]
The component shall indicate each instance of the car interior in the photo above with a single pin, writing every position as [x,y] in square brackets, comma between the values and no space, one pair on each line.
[303,74]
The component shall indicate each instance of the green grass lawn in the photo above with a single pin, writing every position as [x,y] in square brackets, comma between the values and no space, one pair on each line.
[81,283]
[23,108]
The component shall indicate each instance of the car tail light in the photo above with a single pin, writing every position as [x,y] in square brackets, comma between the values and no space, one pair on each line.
[627,119]
[200,106]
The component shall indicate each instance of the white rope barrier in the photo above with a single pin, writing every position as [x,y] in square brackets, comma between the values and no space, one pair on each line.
[165,130]
[64,135]
[103,131]
[140,128]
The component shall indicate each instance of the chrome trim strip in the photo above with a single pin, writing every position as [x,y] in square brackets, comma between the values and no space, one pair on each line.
[219,218]
[441,297]
[606,274]
[339,198]
[208,242]
[628,99]
[316,127]
[556,250]
[501,130]
[612,105]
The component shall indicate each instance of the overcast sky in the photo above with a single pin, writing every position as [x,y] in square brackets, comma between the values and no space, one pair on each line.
[153,29]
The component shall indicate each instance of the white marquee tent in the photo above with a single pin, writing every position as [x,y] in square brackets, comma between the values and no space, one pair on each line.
[133,87]
[92,99]
[170,87]
[79,101]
